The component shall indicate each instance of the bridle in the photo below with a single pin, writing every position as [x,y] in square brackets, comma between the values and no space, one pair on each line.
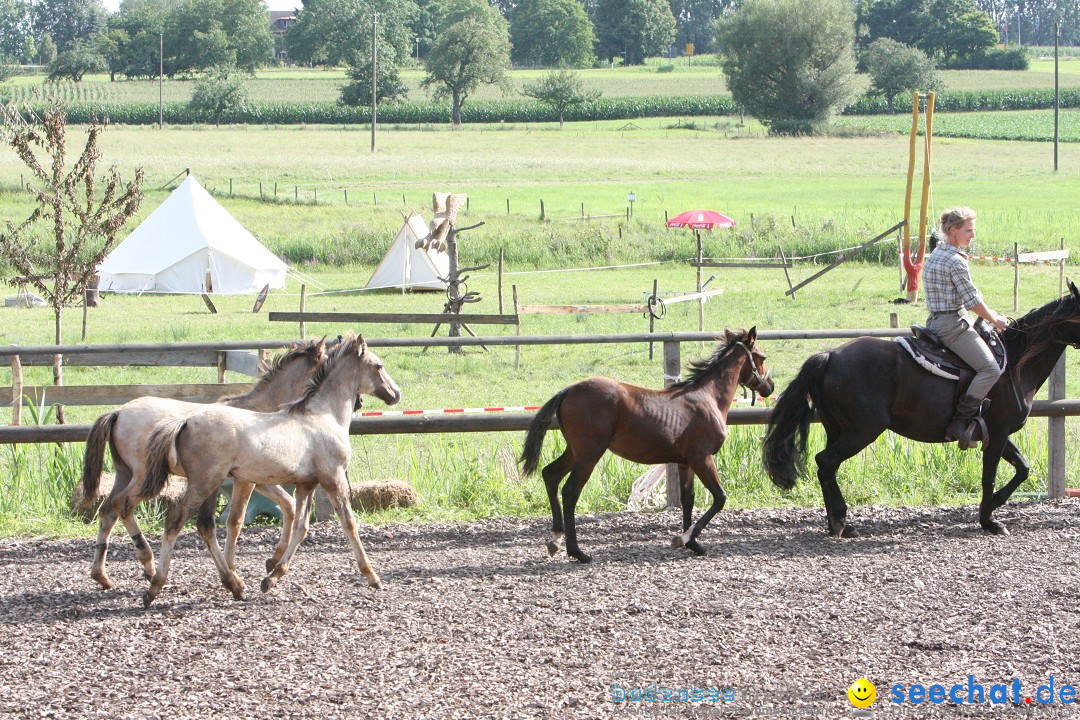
[756,379]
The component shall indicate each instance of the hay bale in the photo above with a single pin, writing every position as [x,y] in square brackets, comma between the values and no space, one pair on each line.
[86,508]
[375,495]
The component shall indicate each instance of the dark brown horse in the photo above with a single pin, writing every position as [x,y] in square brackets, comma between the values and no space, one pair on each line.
[685,424]
[869,385]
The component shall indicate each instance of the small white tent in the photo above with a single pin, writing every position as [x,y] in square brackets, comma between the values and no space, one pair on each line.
[188,241]
[406,266]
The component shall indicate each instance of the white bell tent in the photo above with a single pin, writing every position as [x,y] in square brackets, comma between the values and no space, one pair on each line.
[191,244]
[405,265]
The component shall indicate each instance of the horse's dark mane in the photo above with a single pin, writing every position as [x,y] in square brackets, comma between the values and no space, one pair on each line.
[276,365]
[347,344]
[1028,336]
[701,368]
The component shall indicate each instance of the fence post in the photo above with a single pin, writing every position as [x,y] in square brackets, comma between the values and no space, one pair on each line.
[517,315]
[672,366]
[1055,426]
[1055,435]
[541,209]
[16,390]
[303,305]
[1016,276]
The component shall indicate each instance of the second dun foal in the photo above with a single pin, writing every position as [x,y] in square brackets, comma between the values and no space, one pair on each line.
[305,443]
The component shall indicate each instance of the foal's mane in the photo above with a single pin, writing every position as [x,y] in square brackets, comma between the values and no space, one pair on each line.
[279,362]
[347,344]
[1029,336]
[700,368]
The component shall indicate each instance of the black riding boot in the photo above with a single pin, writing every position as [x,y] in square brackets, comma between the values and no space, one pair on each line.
[964,427]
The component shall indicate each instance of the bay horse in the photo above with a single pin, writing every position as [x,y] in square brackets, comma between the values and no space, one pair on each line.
[305,443]
[685,423]
[127,429]
[870,385]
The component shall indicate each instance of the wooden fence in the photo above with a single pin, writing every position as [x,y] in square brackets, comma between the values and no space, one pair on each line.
[1056,408]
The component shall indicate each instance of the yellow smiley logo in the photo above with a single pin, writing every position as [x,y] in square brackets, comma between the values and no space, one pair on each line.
[862,693]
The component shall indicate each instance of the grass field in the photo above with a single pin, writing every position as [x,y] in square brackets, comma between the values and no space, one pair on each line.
[810,195]
[1018,125]
[673,77]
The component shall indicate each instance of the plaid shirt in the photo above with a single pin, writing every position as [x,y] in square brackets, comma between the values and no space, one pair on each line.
[948,281]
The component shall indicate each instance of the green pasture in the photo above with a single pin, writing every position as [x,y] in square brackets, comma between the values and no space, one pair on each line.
[811,196]
[660,77]
[807,195]
[1016,125]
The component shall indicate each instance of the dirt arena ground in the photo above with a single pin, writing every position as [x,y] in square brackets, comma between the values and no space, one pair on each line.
[476,622]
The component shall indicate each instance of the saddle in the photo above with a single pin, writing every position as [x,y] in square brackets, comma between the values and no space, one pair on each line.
[930,353]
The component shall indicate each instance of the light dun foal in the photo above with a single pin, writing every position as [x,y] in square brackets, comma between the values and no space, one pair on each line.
[127,429]
[305,443]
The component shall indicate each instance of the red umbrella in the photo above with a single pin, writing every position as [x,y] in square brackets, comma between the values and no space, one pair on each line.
[701,220]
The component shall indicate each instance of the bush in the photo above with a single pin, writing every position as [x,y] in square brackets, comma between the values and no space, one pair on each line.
[1009,58]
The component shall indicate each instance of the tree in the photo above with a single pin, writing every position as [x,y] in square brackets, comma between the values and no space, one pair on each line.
[7,70]
[695,19]
[473,47]
[551,32]
[633,29]
[15,30]
[338,32]
[111,45]
[966,32]
[789,63]
[71,64]
[217,92]
[46,50]
[142,21]
[896,68]
[560,89]
[388,84]
[204,34]
[950,29]
[83,224]
[68,20]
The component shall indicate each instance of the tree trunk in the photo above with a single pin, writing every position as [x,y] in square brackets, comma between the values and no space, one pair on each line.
[58,365]
[457,109]
[560,119]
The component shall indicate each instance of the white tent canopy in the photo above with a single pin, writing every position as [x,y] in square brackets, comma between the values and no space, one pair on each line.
[406,266]
[188,241]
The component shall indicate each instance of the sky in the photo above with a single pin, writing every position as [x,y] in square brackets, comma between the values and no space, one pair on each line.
[113,5]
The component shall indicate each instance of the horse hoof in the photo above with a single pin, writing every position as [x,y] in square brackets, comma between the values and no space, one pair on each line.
[677,541]
[268,584]
[552,548]
[104,581]
[695,548]
[995,528]
[375,583]
[147,598]
[581,557]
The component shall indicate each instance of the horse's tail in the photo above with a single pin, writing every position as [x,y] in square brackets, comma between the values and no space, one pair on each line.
[160,449]
[784,448]
[534,438]
[94,458]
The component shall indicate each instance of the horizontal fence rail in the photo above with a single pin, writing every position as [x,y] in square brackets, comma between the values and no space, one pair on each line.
[510,422]
[1056,408]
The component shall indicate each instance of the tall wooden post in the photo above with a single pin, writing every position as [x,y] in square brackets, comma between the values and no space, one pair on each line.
[701,300]
[672,368]
[303,305]
[1055,426]
[16,390]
